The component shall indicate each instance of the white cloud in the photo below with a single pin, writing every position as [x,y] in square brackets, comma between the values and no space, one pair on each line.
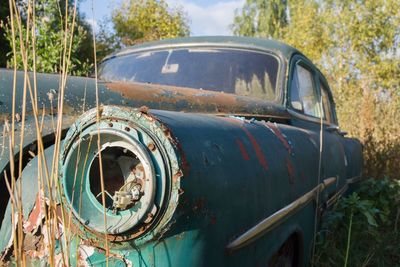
[212,19]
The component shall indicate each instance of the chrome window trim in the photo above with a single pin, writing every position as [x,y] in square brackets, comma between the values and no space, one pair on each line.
[282,61]
[304,117]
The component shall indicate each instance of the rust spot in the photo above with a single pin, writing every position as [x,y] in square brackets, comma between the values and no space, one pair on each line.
[167,132]
[185,164]
[149,218]
[144,109]
[275,129]
[213,219]
[257,148]
[176,98]
[242,149]
[151,146]
[199,204]
[151,118]
[173,94]
[290,170]
[177,175]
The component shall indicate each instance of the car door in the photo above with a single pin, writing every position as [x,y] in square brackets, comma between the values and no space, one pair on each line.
[310,103]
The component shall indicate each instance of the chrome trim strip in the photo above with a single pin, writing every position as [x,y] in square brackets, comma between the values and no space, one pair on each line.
[278,217]
[251,47]
[282,60]
[353,180]
[309,118]
[336,196]
[339,193]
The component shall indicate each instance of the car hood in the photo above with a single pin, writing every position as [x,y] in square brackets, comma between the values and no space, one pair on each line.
[80,95]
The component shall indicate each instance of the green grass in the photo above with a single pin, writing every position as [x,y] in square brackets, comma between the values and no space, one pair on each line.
[362,229]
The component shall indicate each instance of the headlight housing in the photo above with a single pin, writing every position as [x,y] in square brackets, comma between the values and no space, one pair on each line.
[138,160]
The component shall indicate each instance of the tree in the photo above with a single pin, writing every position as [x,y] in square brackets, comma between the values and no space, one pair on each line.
[106,40]
[50,32]
[137,21]
[356,45]
[261,18]
[4,47]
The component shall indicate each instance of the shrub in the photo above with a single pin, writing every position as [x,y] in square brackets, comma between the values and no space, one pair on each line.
[361,230]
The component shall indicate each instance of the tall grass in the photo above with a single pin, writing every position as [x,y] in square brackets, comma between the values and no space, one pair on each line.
[370,217]
[55,213]
[362,229]
[374,118]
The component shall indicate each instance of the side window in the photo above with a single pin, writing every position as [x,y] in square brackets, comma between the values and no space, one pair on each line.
[303,94]
[326,103]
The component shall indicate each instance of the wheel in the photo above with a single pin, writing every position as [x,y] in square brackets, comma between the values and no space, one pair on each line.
[285,256]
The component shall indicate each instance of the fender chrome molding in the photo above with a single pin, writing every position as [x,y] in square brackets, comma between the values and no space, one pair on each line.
[278,217]
[333,199]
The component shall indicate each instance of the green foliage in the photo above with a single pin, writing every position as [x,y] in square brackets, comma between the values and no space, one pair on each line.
[365,225]
[4,47]
[261,18]
[47,48]
[106,41]
[356,45]
[137,21]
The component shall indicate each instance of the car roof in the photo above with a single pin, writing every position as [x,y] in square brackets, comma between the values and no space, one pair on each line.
[282,49]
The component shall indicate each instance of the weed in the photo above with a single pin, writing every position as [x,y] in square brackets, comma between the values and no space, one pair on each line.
[362,229]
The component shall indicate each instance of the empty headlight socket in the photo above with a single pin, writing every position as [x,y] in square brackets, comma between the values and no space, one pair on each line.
[135,171]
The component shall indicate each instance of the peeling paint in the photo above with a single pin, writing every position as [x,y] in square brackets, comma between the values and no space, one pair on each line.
[275,129]
[291,171]
[242,149]
[257,149]
[189,99]
[35,217]
[84,252]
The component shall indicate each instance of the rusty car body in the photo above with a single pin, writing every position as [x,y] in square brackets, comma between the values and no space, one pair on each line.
[202,151]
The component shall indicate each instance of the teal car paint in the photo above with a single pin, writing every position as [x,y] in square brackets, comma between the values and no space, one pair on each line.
[209,149]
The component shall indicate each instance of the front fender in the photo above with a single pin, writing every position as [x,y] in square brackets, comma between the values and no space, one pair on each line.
[29,187]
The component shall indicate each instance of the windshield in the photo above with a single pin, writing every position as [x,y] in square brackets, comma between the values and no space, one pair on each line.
[239,72]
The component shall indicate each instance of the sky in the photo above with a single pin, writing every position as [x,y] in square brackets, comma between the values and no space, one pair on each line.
[207,17]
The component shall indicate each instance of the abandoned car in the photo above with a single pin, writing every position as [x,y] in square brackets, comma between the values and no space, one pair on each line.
[202,151]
